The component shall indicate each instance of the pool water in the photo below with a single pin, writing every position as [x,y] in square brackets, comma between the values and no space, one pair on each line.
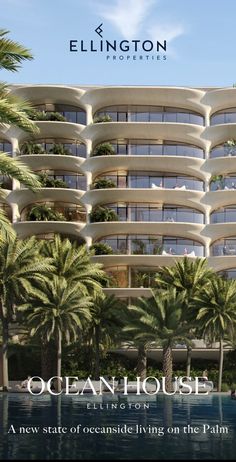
[156,428]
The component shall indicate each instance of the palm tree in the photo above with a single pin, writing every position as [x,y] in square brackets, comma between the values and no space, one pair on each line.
[21,266]
[188,277]
[11,53]
[56,310]
[17,170]
[215,309]
[107,314]
[14,111]
[132,329]
[162,322]
[73,262]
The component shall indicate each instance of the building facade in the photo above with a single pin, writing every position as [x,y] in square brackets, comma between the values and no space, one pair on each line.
[146,174]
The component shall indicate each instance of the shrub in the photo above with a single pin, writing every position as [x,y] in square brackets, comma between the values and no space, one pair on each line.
[102,118]
[42,212]
[30,147]
[46,116]
[104,183]
[60,150]
[101,248]
[48,182]
[104,149]
[101,214]
[225,387]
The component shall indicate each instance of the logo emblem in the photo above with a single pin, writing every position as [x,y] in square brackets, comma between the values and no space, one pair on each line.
[99,30]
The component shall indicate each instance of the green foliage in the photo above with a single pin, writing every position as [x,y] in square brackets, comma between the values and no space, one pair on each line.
[54,307]
[104,149]
[225,387]
[102,118]
[42,212]
[46,116]
[103,183]
[30,147]
[48,182]
[12,54]
[101,248]
[103,214]
[17,170]
[60,150]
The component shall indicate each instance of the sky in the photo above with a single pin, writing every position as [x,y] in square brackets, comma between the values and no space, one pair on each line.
[200,36]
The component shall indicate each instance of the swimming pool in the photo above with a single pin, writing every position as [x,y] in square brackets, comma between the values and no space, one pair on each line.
[122,428]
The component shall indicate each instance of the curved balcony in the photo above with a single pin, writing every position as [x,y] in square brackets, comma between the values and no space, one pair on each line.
[53,161]
[53,146]
[106,164]
[220,199]
[72,114]
[149,180]
[152,245]
[225,247]
[23,197]
[223,182]
[50,129]
[182,197]
[154,213]
[220,99]
[217,136]
[156,131]
[59,93]
[152,148]
[192,231]
[41,228]
[226,116]
[62,179]
[224,215]
[189,98]
[144,113]
[223,150]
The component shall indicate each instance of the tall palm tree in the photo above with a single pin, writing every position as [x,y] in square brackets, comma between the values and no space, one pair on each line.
[133,327]
[106,324]
[73,262]
[162,319]
[14,111]
[188,277]
[215,309]
[21,266]
[56,310]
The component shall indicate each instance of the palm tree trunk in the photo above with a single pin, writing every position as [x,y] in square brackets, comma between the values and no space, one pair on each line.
[97,352]
[221,360]
[168,367]
[5,338]
[142,362]
[189,357]
[59,353]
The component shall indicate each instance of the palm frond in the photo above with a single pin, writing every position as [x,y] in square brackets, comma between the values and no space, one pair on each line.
[12,53]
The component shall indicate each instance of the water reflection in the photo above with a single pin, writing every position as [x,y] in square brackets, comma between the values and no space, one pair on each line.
[168,412]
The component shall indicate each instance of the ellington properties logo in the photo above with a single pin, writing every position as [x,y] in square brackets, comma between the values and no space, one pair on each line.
[121,50]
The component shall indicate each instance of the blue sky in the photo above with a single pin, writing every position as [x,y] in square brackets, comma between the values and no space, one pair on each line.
[201,45]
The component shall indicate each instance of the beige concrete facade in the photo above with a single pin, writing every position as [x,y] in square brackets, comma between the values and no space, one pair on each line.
[204,137]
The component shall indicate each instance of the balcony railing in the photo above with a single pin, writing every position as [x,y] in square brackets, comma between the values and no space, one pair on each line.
[150,114]
[157,150]
[139,245]
[154,214]
[226,117]
[154,181]
[227,215]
